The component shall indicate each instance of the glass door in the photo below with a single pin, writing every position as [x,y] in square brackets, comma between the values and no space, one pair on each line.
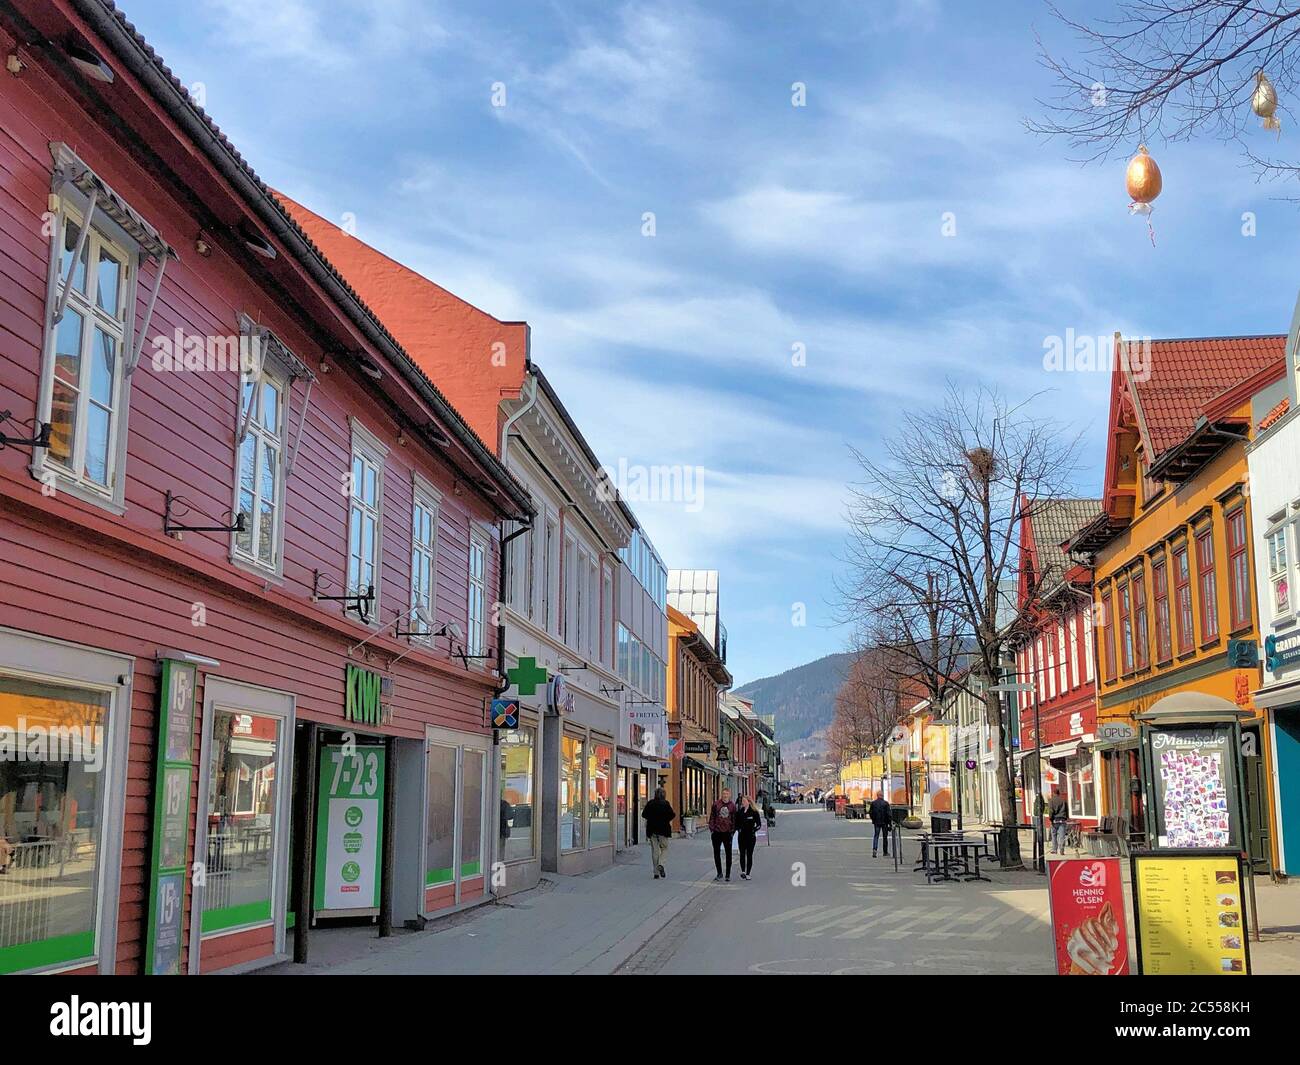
[456,789]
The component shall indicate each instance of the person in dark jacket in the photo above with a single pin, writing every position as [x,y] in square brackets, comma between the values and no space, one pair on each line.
[507,815]
[658,815]
[1058,812]
[882,821]
[722,825]
[748,822]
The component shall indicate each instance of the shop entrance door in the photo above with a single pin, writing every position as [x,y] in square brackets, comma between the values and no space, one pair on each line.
[1252,750]
[455,819]
[1287,753]
[246,759]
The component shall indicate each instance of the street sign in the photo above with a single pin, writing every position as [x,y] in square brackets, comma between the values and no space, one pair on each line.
[1012,688]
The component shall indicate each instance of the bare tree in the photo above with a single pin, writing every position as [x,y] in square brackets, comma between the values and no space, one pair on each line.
[944,499]
[1172,69]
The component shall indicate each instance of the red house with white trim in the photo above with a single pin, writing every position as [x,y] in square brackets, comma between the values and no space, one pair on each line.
[248,548]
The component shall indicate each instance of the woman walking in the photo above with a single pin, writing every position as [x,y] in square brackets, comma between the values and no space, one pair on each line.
[748,822]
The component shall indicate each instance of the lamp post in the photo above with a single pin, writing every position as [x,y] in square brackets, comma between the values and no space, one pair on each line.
[1038,762]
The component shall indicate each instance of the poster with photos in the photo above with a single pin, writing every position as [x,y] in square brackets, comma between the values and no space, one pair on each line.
[1195,787]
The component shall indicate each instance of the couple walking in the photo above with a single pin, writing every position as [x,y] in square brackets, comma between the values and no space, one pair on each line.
[728,818]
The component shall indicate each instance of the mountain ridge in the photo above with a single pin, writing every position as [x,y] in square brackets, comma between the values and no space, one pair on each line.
[801,698]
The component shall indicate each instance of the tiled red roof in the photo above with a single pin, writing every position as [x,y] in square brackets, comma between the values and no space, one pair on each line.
[1276,413]
[1185,375]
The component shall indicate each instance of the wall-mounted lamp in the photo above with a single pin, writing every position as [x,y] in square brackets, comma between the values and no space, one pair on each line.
[14,64]
[255,240]
[202,246]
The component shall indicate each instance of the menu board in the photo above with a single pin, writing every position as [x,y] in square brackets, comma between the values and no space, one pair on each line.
[1189,914]
[1193,787]
[171,816]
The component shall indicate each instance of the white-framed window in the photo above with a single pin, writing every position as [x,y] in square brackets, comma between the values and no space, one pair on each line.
[606,615]
[476,631]
[425,504]
[1072,638]
[1279,571]
[1060,656]
[592,577]
[84,388]
[260,459]
[365,515]
[551,578]
[1087,644]
[570,582]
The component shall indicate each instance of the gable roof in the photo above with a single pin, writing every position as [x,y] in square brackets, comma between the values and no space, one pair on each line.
[1052,522]
[1186,376]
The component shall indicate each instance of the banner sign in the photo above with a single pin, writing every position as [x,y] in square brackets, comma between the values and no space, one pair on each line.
[364,702]
[1086,896]
[1189,914]
[697,746]
[349,828]
[171,816]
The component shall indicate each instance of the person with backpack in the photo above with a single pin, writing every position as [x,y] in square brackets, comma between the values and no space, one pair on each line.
[658,816]
[722,824]
[748,822]
[1058,812]
[882,822]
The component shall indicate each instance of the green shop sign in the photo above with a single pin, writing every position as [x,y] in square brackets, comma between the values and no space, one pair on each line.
[171,816]
[364,700]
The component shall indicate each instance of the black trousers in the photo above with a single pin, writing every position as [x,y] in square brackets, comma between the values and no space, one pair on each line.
[720,840]
[747,841]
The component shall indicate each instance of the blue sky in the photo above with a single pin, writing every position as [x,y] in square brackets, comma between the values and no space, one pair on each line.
[775,225]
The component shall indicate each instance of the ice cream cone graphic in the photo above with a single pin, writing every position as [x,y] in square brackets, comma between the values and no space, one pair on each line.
[1093,944]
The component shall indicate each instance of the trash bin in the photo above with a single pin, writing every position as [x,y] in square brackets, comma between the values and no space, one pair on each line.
[941,822]
[898,813]
[841,803]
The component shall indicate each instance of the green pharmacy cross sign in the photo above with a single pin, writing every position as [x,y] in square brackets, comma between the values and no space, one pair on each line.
[528,675]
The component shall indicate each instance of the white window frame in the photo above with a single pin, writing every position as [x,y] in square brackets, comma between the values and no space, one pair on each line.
[551,574]
[107,235]
[367,447]
[1279,530]
[424,495]
[1060,655]
[1089,668]
[476,595]
[283,380]
[569,568]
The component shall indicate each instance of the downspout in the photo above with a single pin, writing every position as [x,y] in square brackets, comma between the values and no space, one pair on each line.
[502,682]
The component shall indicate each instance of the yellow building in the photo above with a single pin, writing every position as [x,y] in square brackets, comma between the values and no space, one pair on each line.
[1176,632]
[696,677]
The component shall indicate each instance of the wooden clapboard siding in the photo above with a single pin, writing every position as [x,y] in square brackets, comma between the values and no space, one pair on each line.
[73,571]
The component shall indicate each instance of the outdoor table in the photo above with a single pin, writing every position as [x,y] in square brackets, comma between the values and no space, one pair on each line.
[963,850]
[926,838]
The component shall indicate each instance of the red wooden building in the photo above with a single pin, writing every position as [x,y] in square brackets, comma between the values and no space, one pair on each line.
[1057,657]
[228,492]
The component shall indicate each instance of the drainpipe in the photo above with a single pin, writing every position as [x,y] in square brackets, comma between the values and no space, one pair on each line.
[503,683]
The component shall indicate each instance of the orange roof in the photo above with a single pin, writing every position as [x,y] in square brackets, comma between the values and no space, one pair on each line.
[1187,375]
[1272,416]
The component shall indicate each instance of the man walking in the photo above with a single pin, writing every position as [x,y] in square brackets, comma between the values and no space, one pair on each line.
[882,821]
[658,815]
[722,823]
[1058,812]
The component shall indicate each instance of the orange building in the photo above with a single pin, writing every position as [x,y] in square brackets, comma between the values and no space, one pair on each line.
[1176,632]
[697,676]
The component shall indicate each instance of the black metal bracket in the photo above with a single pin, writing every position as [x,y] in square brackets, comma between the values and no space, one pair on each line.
[642,702]
[613,691]
[169,526]
[41,438]
[567,669]
[465,658]
[360,603]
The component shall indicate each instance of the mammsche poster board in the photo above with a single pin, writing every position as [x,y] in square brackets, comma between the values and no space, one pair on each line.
[1088,926]
[1189,914]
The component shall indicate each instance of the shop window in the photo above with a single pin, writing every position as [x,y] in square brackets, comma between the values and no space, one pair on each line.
[241,819]
[1183,598]
[1209,589]
[572,793]
[471,813]
[1082,795]
[440,824]
[598,796]
[1238,570]
[518,801]
[51,821]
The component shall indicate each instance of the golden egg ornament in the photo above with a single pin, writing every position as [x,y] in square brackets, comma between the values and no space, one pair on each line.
[1143,180]
[1264,102]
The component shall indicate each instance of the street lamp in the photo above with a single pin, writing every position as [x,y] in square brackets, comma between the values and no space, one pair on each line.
[1039,860]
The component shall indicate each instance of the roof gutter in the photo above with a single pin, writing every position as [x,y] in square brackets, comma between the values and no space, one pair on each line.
[127,49]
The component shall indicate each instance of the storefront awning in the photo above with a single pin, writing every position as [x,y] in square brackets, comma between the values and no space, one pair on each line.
[1060,750]
[1278,694]
[708,767]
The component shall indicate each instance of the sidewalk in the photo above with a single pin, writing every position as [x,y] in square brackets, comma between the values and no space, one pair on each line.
[586,924]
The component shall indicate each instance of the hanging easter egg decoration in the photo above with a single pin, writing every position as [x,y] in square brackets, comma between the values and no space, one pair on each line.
[1264,103]
[1144,184]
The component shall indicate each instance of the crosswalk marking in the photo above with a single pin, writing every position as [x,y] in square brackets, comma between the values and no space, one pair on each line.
[788,915]
[967,920]
[860,930]
[1001,924]
[925,918]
